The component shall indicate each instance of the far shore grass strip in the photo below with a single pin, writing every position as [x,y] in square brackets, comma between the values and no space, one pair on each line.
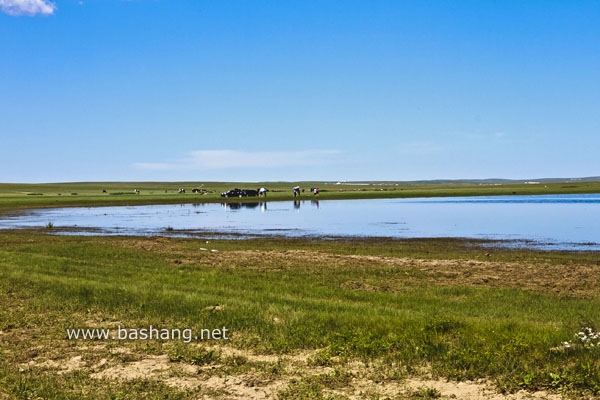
[23,196]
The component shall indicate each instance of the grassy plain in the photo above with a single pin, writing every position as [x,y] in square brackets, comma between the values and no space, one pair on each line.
[307,319]
[19,196]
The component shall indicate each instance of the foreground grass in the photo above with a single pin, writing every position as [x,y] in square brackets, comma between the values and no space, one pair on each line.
[444,308]
[19,196]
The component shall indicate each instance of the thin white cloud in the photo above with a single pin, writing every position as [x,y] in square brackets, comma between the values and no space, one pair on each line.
[227,159]
[27,7]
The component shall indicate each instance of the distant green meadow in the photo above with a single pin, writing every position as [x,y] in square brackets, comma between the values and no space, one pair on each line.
[438,308]
[13,196]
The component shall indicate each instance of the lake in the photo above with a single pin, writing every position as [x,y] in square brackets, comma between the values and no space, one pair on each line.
[548,221]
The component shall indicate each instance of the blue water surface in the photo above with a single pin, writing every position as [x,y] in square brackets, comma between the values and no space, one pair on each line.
[547,221]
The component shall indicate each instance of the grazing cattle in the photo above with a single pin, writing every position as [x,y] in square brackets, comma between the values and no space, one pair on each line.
[103,190]
[181,190]
[136,191]
[240,193]
[296,190]
[314,191]
[233,193]
[263,192]
[250,192]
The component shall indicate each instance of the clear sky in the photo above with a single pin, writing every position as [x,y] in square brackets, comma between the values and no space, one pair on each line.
[256,90]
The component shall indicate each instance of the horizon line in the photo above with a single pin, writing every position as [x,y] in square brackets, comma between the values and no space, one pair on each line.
[329,181]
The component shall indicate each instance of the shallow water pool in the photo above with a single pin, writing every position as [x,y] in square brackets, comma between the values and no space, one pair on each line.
[549,221]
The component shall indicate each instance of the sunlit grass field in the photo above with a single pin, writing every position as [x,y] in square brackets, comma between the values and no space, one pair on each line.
[391,305]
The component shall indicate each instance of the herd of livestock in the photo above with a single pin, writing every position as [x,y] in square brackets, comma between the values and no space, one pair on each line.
[260,192]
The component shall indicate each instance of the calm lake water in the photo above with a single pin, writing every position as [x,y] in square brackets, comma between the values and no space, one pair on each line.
[549,221]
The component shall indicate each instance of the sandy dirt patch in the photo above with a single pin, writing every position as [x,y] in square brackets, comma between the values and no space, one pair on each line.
[473,390]
[149,367]
[254,384]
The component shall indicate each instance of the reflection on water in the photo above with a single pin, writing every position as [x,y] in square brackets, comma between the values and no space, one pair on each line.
[557,221]
[238,206]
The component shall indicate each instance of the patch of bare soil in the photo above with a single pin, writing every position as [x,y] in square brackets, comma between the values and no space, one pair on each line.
[253,382]
[243,387]
[154,366]
[72,364]
[472,390]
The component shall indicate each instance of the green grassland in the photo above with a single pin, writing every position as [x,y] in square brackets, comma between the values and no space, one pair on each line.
[389,305]
[122,193]
[308,318]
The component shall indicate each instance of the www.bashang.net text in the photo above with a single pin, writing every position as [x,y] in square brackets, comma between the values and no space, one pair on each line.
[186,335]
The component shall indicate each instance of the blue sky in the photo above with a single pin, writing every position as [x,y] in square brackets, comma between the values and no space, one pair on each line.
[251,90]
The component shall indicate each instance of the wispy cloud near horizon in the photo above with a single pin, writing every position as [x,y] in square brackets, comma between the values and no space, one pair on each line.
[27,7]
[227,159]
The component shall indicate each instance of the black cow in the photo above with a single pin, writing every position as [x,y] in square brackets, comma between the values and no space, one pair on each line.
[233,193]
[250,192]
